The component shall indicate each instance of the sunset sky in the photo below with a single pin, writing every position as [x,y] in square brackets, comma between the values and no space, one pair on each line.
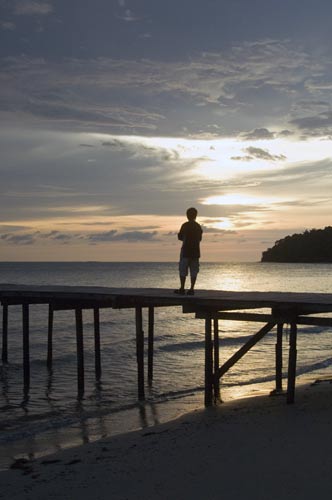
[118,115]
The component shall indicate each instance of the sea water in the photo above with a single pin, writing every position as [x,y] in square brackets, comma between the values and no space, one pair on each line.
[51,417]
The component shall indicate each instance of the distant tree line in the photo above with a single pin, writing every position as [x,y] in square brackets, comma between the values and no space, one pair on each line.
[311,246]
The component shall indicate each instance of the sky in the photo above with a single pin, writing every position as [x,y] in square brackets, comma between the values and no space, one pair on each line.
[118,115]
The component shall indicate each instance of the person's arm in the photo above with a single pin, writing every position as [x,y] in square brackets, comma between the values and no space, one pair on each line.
[181,233]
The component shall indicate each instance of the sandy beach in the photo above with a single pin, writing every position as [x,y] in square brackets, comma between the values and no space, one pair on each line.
[257,447]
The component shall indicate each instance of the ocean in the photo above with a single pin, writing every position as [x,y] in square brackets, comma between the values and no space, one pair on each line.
[51,417]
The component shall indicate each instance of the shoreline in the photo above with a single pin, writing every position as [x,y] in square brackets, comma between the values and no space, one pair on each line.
[34,445]
[142,416]
[254,447]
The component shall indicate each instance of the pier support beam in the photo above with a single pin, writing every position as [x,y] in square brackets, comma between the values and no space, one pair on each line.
[150,344]
[4,355]
[208,400]
[26,352]
[216,380]
[278,388]
[140,352]
[80,352]
[292,363]
[50,337]
[96,321]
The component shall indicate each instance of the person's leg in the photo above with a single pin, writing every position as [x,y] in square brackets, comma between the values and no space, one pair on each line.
[194,268]
[183,272]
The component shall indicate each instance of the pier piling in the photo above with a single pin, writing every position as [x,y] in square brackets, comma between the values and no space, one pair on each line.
[50,337]
[150,344]
[96,321]
[140,352]
[26,347]
[292,363]
[4,355]
[80,352]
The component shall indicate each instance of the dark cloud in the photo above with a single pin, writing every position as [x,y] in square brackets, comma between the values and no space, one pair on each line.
[18,239]
[258,134]
[320,124]
[259,154]
[129,236]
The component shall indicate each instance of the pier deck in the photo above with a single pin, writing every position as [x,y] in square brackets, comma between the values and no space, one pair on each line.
[211,306]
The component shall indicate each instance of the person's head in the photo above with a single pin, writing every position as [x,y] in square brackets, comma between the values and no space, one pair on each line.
[191,213]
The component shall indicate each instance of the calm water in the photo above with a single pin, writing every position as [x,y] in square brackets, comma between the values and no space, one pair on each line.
[51,417]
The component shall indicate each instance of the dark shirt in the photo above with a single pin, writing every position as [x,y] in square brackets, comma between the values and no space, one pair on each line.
[191,235]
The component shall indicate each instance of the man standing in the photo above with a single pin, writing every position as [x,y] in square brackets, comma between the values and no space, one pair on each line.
[190,234]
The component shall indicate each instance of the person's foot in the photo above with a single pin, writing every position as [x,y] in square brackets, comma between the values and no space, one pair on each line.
[179,291]
[190,292]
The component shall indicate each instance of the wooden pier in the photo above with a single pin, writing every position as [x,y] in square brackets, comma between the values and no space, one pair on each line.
[210,306]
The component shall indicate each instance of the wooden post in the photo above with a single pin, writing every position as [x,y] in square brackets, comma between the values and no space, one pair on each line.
[4,333]
[208,363]
[26,353]
[97,342]
[80,352]
[140,352]
[50,337]
[150,344]
[292,363]
[216,379]
[278,388]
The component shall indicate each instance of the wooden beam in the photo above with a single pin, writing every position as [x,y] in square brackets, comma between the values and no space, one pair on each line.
[216,379]
[208,363]
[140,352]
[80,352]
[245,348]
[150,344]
[292,363]
[96,322]
[26,348]
[268,318]
[4,355]
[278,358]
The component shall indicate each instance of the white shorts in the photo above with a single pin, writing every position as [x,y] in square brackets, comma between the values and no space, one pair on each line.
[186,264]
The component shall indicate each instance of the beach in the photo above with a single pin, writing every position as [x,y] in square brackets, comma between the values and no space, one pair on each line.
[256,447]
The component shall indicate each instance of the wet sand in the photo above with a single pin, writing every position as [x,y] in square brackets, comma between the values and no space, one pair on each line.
[253,448]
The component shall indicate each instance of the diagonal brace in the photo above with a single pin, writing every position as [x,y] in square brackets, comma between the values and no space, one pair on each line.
[245,348]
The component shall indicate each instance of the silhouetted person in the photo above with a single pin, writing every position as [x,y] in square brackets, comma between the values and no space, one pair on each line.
[190,234]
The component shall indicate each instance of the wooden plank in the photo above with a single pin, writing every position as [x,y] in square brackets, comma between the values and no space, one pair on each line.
[50,337]
[26,348]
[140,352]
[292,363]
[208,363]
[150,344]
[4,355]
[80,352]
[96,322]
[245,348]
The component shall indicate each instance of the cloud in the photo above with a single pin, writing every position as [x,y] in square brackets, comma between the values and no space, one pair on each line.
[33,7]
[258,154]
[129,236]
[18,239]
[146,96]
[315,125]
[258,134]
